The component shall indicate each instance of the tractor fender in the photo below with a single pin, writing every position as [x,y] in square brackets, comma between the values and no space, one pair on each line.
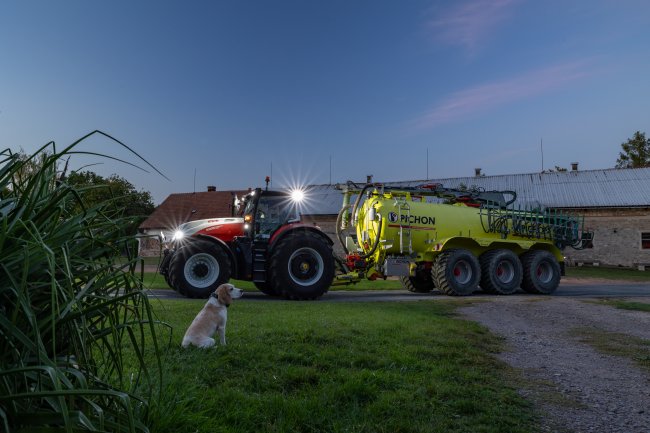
[224,246]
[290,229]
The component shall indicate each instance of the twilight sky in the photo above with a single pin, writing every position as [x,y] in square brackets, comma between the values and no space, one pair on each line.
[226,92]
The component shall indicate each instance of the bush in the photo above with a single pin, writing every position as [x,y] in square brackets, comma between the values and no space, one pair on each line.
[69,304]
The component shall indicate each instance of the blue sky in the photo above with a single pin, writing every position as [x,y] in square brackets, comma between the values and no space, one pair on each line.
[231,90]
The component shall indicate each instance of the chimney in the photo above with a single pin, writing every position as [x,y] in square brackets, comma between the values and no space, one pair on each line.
[211,188]
[477,171]
[369,178]
[574,166]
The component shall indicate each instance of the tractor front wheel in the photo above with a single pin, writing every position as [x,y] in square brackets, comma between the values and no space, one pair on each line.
[456,272]
[302,266]
[197,269]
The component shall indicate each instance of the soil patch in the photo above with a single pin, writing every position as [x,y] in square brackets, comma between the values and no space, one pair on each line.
[575,387]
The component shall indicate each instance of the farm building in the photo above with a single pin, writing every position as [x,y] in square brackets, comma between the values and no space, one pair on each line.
[615,203]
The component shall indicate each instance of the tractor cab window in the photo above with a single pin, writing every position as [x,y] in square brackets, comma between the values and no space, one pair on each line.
[246,206]
[272,212]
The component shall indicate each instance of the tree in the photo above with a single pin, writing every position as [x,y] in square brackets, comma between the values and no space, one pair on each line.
[97,189]
[636,152]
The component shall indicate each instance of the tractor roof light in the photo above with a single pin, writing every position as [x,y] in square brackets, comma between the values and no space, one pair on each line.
[297,195]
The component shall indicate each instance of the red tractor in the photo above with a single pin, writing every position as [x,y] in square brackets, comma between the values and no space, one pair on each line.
[265,242]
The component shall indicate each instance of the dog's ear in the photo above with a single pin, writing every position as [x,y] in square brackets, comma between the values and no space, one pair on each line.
[223,295]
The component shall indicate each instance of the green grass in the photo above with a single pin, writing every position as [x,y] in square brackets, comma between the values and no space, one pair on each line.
[616,344]
[329,367]
[153,280]
[624,305]
[608,273]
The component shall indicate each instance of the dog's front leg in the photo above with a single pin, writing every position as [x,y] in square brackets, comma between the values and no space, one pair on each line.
[222,335]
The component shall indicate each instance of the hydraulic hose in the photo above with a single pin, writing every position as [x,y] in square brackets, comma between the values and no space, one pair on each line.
[376,243]
[339,235]
[358,200]
[339,218]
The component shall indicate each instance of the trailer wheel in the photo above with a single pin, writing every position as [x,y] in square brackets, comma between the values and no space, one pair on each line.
[197,269]
[302,266]
[456,272]
[501,272]
[266,288]
[541,272]
[422,282]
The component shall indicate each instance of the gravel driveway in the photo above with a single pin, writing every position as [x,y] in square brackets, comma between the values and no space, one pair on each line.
[575,387]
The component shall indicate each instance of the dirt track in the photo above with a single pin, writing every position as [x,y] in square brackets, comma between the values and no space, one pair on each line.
[575,387]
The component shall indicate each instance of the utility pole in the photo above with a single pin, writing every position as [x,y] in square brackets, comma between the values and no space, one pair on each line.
[330,169]
[427,163]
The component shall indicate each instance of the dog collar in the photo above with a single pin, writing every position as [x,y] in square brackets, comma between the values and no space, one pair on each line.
[215,296]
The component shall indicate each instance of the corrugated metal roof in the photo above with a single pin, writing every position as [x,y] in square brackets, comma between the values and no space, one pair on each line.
[570,189]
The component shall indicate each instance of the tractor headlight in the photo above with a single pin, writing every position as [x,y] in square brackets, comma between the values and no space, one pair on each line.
[178,235]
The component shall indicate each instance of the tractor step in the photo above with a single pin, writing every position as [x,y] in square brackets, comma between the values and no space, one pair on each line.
[259,261]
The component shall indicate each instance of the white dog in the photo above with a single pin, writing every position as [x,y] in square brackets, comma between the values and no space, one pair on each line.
[212,318]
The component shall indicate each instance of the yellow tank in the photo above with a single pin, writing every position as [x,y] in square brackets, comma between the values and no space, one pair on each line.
[456,246]
[410,225]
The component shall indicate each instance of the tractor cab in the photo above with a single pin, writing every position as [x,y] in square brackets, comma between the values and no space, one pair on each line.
[264,212]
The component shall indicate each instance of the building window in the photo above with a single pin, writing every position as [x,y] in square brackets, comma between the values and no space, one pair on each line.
[645,241]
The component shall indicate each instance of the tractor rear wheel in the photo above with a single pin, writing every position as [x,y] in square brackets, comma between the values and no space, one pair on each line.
[198,268]
[266,288]
[302,266]
[422,282]
[456,272]
[541,272]
[501,272]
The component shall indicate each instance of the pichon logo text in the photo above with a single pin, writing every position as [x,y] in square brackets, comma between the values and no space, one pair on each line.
[412,219]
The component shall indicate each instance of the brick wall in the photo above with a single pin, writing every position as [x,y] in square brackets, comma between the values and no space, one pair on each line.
[617,237]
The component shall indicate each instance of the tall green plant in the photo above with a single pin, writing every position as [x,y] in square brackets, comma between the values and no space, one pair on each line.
[70,304]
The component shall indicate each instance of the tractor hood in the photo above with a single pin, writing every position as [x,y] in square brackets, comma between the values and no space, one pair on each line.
[222,228]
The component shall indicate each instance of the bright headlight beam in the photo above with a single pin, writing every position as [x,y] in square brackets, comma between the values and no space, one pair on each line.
[178,235]
[297,195]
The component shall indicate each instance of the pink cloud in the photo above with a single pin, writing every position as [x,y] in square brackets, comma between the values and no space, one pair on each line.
[487,96]
[469,23]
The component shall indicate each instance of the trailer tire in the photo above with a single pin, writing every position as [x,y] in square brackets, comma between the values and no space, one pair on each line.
[422,282]
[541,272]
[501,272]
[302,266]
[198,268]
[266,288]
[456,272]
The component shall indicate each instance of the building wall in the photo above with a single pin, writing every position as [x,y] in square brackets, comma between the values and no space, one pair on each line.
[327,223]
[150,242]
[617,238]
